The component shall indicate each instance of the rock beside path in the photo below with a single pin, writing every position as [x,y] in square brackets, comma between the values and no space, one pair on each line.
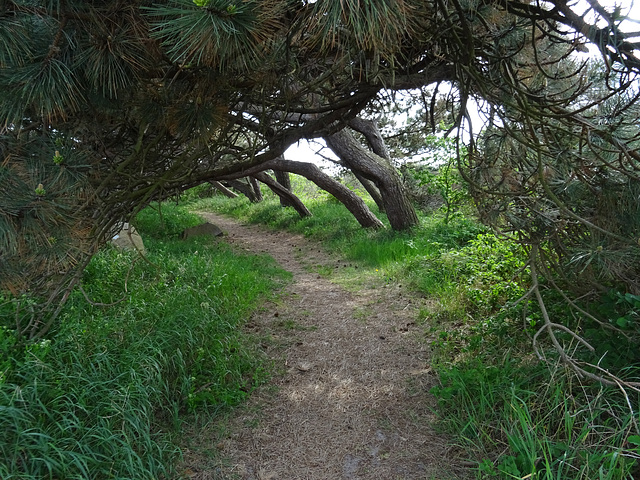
[207,228]
[128,239]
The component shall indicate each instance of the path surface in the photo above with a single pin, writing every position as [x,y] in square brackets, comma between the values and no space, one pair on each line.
[352,401]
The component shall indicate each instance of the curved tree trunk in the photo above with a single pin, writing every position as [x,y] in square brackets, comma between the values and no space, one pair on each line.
[397,206]
[353,202]
[370,130]
[283,192]
[243,187]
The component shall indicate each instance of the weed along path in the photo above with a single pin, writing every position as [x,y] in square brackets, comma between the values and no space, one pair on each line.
[351,400]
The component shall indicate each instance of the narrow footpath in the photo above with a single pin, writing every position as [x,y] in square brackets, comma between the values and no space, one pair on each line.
[352,400]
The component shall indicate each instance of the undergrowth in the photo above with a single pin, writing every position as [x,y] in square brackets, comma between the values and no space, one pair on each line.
[333,225]
[515,415]
[104,394]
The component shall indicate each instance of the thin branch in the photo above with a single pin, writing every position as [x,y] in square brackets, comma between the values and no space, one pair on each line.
[98,304]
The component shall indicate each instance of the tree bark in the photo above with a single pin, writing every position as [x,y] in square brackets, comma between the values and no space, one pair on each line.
[279,190]
[283,179]
[353,202]
[371,189]
[370,130]
[399,210]
[256,188]
[243,187]
[224,190]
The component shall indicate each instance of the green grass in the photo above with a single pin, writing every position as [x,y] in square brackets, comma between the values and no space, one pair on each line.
[517,417]
[333,225]
[529,420]
[102,397]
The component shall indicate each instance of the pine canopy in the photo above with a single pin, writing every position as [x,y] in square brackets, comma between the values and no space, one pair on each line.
[108,105]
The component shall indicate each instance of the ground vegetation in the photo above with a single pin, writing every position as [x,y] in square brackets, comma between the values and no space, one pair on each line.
[141,346]
[513,415]
[107,107]
[112,386]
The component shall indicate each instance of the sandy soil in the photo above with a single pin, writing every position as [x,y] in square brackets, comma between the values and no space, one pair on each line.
[352,401]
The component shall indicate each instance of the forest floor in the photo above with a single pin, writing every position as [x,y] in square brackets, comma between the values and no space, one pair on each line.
[351,397]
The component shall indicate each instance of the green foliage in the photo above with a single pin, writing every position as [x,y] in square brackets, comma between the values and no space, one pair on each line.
[100,398]
[213,33]
[43,226]
[486,275]
[438,175]
[165,220]
[368,32]
[7,348]
[622,310]
[616,347]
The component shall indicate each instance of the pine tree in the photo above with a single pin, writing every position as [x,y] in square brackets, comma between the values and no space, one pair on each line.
[106,106]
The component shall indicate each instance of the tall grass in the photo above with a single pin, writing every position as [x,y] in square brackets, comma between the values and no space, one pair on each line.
[527,421]
[103,395]
[516,417]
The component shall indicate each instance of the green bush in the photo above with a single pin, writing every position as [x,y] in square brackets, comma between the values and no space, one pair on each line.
[481,280]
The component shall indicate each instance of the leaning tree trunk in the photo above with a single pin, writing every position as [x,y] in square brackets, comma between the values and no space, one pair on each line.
[397,206]
[224,190]
[283,179]
[279,190]
[373,135]
[353,202]
[256,188]
[371,189]
[244,187]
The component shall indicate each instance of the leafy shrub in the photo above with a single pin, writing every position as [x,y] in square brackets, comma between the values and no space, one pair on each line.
[486,275]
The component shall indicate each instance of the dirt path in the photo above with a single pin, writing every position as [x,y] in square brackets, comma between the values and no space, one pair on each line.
[352,401]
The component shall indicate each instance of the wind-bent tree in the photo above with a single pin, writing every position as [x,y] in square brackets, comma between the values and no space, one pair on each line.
[106,106]
[375,168]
